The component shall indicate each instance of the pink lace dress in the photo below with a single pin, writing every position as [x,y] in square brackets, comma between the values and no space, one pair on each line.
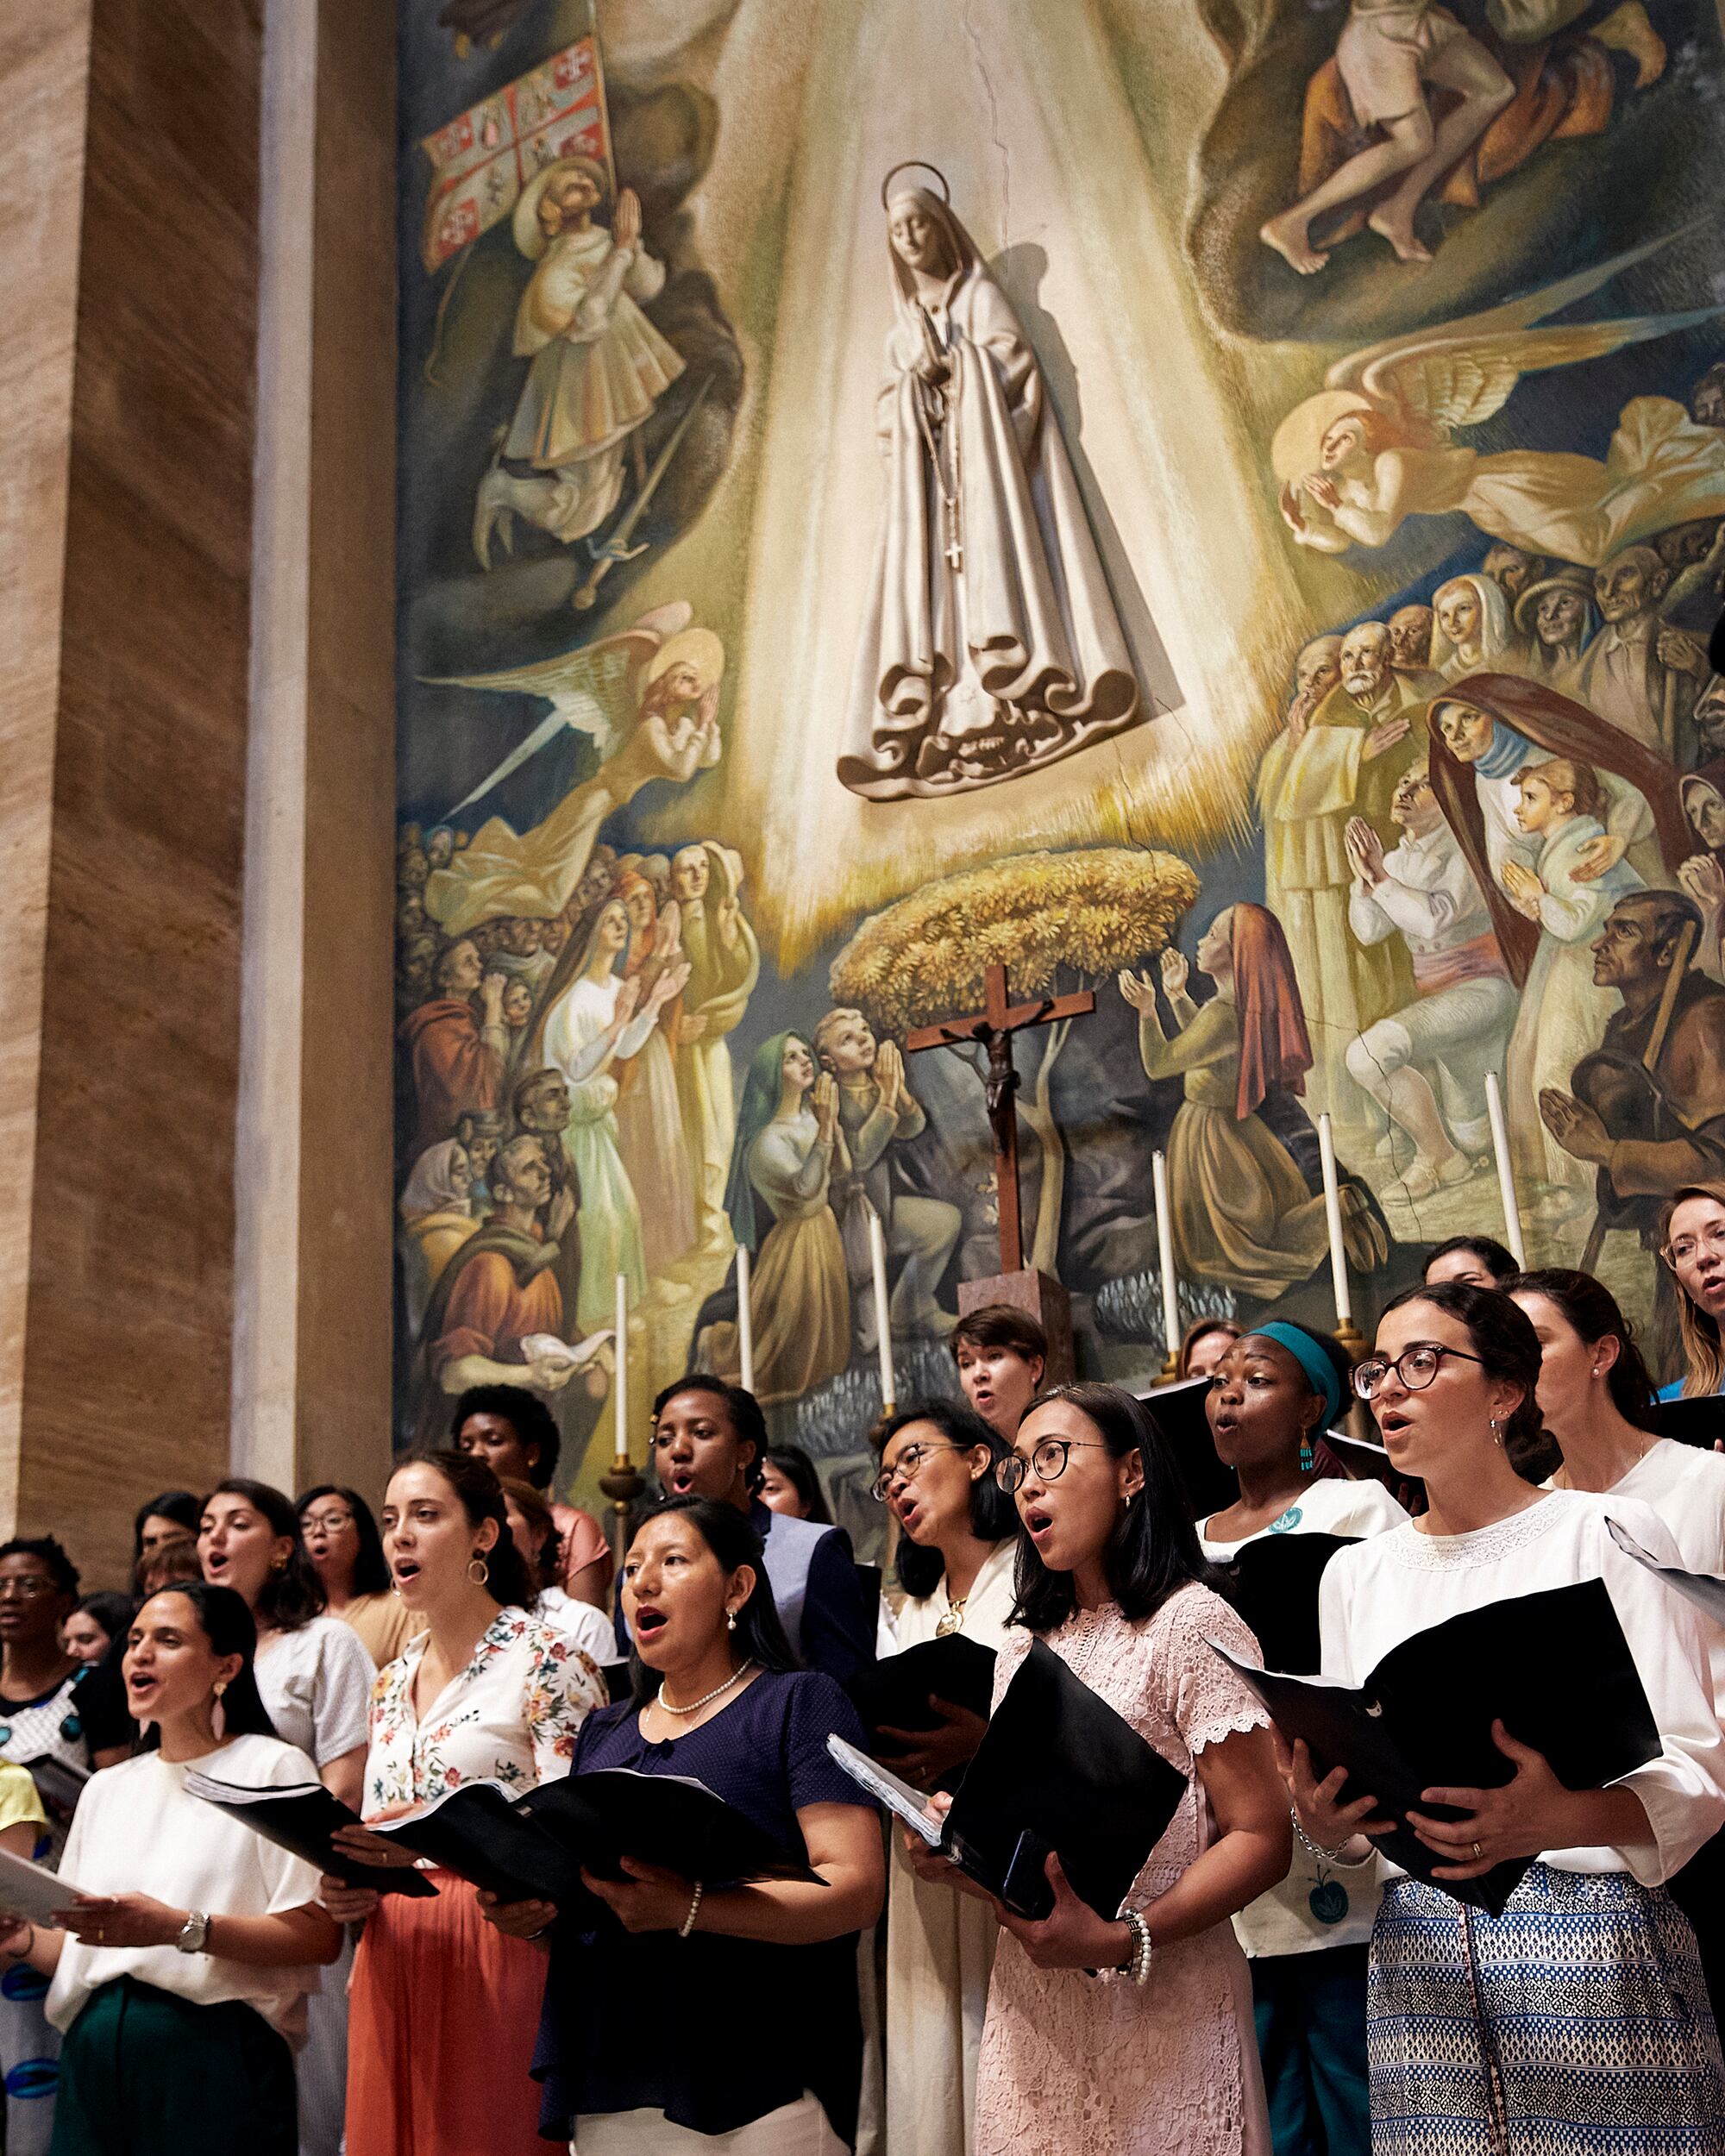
[1075,2065]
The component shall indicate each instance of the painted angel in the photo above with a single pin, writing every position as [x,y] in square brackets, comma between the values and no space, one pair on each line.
[1377,443]
[648,699]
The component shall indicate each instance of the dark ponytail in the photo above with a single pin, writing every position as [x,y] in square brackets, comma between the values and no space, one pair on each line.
[1590,1310]
[226,1624]
[1503,1338]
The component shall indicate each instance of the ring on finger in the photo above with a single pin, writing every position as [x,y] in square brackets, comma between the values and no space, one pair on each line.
[1478,1852]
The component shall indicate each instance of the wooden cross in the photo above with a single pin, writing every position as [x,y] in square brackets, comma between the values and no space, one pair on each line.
[993,1027]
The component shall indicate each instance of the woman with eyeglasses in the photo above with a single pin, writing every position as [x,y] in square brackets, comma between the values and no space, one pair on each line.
[1272,1395]
[1591,1941]
[1692,1244]
[957,1558]
[340,1539]
[1131,2037]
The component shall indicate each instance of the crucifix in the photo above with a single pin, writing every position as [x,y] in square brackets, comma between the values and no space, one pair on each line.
[993,1028]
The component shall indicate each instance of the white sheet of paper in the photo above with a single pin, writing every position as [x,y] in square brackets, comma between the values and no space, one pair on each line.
[30,1889]
[899,1797]
[1705,1589]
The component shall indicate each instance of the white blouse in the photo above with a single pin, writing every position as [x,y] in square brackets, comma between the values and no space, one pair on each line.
[136,1832]
[583,1626]
[1329,1506]
[316,1684]
[987,1607]
[510,1716]
[1321,1903]
[1375,1596]
[1685,1486]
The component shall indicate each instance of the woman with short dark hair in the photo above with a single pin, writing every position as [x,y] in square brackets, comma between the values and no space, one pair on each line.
[535,1534]
[442,2009]
[168,1514]
[957,1556]
[790,1483]
[715,1697]
[180,1972]
[515,1433]
[1002,1358]
[1591,1932]
[1479,1261]
[1157,2056]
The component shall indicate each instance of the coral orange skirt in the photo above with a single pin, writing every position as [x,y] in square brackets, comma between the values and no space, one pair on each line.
[443,2017]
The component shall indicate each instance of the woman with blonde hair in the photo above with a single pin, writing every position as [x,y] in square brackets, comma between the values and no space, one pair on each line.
[1692,1244]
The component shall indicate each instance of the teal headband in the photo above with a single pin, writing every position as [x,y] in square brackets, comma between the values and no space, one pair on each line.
[1320,1372]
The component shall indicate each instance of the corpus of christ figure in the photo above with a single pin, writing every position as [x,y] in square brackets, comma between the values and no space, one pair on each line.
[993,1028]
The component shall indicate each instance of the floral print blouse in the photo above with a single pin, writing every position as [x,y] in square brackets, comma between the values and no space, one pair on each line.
[510,1717]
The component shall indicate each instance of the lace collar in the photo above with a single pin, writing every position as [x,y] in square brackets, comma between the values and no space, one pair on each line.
[1421,1552]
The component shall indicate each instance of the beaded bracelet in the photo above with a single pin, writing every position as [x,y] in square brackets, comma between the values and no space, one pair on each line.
[688,1923]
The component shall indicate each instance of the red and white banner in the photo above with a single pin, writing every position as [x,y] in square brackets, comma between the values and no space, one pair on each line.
[481,161]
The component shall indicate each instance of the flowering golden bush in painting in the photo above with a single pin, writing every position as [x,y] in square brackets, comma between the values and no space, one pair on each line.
[1084,912]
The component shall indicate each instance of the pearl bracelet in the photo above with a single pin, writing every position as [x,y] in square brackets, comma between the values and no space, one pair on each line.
[688,1923]
[1138,1967]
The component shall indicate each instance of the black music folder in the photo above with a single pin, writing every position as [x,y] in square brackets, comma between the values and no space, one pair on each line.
[1369,1463]
[894,1692]
[1179,1412]
[1273,1583]
[533,1845]
[1554,1667]
[1699,1421]
[1705,1589]
[302,1818]
[1059,1771]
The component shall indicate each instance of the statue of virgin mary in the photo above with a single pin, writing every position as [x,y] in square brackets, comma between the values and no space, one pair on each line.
[991,644]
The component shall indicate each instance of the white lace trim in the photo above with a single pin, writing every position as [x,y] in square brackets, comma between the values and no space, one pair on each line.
[1222,1727]
[1421,1552]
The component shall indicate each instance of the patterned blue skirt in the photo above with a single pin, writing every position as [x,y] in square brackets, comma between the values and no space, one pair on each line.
[1575,2024]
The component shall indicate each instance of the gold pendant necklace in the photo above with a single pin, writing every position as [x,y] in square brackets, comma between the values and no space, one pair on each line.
[952,1619]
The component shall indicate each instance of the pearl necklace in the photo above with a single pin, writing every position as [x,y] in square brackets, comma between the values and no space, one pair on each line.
[695,1706]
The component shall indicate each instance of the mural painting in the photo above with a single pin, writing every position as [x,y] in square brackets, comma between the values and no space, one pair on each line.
[1226,518]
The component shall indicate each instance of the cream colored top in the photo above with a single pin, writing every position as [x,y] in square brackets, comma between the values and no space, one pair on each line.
[135,1831]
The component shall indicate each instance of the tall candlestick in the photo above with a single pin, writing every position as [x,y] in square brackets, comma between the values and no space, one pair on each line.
[1506,1174]
[1332,1215]
[1164,1258]
[620,1385]
[883,1330]
[745,1318]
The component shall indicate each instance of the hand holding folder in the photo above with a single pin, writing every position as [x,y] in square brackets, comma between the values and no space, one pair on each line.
[1553,1668]
[303,1818]
[1059,1772]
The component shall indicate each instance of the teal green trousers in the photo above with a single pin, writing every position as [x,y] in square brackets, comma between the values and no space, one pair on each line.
[143,2073]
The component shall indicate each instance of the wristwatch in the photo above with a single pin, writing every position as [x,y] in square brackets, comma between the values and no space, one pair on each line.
[193,1932]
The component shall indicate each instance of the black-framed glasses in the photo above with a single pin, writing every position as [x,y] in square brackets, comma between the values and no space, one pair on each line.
[1415,1366]
[1048,1459]
[909,1465]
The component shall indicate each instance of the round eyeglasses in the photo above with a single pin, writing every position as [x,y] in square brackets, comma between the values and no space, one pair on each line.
[909,1465]
[1047,1461]
[1684,1249]
[1415,1366]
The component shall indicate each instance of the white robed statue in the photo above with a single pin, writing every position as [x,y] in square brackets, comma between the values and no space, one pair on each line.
[991,643]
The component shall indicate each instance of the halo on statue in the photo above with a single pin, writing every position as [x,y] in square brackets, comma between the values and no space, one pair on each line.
[916,165]
[698,648]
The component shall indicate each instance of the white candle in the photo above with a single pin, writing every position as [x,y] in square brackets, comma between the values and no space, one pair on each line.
[620,1384]
[745,1318]
[1332,1214]
[1164,1253]
[883,1330]
[1506,1174]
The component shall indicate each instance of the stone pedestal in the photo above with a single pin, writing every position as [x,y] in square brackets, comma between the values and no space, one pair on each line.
[1043,1299]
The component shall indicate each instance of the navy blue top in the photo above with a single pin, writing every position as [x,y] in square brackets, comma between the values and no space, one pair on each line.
[714,2032]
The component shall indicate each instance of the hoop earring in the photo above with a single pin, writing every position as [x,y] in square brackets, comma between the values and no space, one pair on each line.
[483,1575]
